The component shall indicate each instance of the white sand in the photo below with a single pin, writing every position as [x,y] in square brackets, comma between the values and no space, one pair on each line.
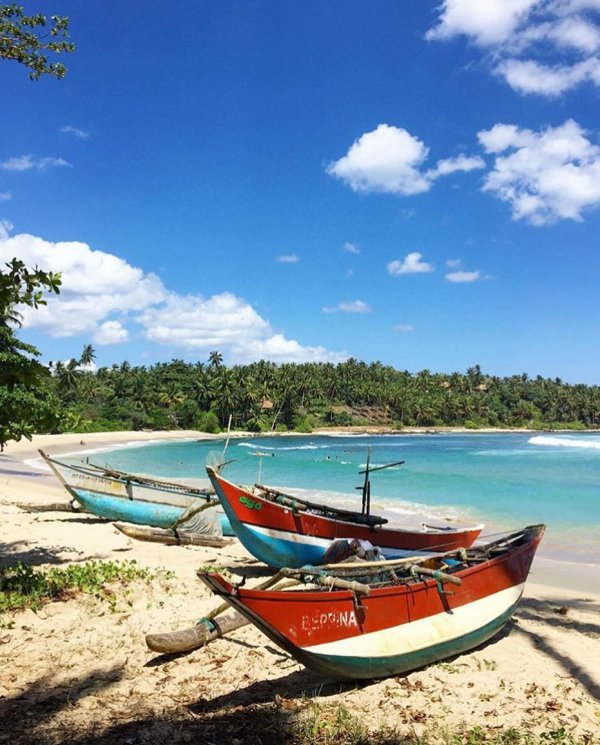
[78,667]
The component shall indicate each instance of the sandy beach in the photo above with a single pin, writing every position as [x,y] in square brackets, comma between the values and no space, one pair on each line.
[79,670]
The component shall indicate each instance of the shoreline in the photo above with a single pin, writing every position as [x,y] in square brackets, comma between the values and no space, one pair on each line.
[17,472]
[81,668]
[83,442]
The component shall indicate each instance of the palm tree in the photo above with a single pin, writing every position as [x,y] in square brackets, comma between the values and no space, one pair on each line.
[215,359]
[87,356]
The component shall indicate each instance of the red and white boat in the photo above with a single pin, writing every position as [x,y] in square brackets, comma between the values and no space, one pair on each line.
[375,619]
[284,531]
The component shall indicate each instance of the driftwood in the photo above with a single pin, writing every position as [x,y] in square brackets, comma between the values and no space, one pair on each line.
[204,632]
[52,507]
[171,537]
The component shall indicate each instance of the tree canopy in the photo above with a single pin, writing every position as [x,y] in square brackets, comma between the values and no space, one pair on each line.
[27,402]
[31,39]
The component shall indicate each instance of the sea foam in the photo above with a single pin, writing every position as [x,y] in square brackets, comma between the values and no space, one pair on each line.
[565,442]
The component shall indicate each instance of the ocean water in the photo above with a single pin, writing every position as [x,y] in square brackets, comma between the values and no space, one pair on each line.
[503,480]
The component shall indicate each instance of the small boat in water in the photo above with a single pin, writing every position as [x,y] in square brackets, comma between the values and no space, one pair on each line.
[375,619]
[284,531]
[142,500]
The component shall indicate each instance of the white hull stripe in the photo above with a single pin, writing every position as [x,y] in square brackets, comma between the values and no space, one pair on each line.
[284,535]
[427,632]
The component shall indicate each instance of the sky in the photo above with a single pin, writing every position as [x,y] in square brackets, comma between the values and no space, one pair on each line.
[410,182]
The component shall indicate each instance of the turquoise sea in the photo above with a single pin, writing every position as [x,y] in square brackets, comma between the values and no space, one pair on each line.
[503,480]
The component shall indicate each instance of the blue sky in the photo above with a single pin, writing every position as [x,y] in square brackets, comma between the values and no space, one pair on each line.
[412,182]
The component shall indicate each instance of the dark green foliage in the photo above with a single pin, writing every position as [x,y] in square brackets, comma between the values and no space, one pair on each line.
[264,397]
[30,40]
[208,421]
[27,403]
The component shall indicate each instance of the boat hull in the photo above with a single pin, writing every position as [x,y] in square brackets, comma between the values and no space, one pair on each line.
[391,630]
[119,498]
[283,537]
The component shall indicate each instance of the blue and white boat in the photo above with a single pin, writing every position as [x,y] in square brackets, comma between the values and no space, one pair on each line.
[142,500]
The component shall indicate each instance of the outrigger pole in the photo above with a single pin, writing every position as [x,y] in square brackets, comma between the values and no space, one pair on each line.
[366,487]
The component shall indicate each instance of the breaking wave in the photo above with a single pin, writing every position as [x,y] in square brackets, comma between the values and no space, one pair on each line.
[565,442]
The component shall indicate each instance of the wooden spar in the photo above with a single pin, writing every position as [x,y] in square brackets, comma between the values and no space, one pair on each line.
[380,468]
[205,492]
[171,537]
[328,581]
[53,507]
[436,574]
[366,487]
[193,510]
[204,632]
[301,506]
[391,563]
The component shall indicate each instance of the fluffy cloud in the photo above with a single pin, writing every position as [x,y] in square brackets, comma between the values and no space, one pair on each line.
[543,47]
[355,306]
[103,296]
[95,284]
[389,160]
[386,160]
[528,76]
[487,22]
[404,328]
[111,332]
[545,176]
[279,349]
[411,264]
[288,259]
[5,196]
[452,165]
[31,163]
[351,248]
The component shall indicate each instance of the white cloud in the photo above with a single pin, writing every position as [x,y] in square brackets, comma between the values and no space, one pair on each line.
[279,349]
[351,248]
[111,332]
[389,159]
[528,76]
[545,176]
[453,263]
[5,196]
[102,292]
[31,163]
[81,134]
[543,47]
[404,328]
[452,165]
[462,276]
[485,21]
[354,306]
[386,160]
[411,264]
[227,323]
[288,259]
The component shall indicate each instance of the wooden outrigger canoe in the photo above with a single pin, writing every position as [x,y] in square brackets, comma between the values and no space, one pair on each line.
[378,619]
[284,531]
[116,495]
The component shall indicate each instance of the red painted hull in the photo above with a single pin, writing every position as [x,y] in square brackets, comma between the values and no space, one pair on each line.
[253,510]
[330,631]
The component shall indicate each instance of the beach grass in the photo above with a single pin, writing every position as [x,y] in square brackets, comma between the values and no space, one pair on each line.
[22,586]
